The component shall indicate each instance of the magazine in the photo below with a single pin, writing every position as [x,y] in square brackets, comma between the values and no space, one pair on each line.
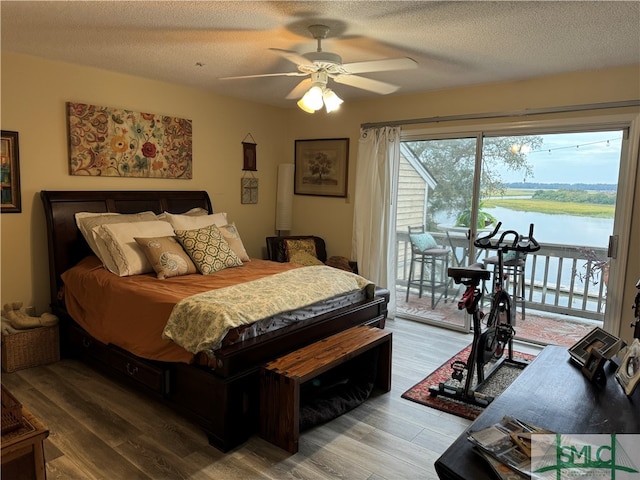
[502,471]
[509,443]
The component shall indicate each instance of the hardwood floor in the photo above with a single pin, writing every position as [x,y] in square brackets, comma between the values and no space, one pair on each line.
[100,429]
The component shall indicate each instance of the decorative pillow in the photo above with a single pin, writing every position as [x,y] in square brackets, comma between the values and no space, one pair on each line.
[231,235]
[87,221]
[510,255]
[166,256]
[193,222]
[304,258]
[423,241]
[293,246]
[194,212]
[208,250]
[119,251]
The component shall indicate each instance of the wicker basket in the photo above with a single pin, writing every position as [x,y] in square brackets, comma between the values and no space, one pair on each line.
[11,412]
[30,348]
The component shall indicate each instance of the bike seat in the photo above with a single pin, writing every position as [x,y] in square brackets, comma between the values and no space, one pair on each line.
[475,272]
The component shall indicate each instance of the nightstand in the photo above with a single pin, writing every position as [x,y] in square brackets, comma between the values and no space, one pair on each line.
[22,450]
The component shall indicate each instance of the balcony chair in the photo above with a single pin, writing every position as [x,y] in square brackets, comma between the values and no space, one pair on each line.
[426,252]
[513,266]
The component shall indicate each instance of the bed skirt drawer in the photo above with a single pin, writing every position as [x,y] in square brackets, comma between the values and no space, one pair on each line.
[85,346]
[147,374]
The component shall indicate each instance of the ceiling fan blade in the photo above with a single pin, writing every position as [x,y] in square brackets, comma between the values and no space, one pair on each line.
[283,74]
[300,89]
[364,83]
[293,57]
[403,63]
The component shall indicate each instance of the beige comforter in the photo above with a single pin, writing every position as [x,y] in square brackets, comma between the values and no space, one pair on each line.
[200,322]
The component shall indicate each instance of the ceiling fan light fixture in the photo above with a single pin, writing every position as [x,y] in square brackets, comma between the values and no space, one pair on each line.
[303,106]
[312,100]
[332,101]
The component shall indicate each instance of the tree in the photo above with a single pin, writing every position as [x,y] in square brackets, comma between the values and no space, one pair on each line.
[451,162]
[320,165]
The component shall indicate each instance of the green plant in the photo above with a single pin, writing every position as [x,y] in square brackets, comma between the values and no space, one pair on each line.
[484,219]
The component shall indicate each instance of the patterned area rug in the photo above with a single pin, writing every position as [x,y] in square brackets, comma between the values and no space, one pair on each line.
[492,386]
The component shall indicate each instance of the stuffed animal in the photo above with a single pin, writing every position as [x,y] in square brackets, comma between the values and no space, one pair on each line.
[15,318]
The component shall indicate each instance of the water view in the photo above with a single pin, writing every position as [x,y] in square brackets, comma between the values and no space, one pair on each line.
[559,229]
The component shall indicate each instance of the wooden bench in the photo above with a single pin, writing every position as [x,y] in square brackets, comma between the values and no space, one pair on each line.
[280,380]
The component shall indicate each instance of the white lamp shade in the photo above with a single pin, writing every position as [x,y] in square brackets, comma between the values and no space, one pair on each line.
[284,196]
[331,100]
[304,107]
[312,99]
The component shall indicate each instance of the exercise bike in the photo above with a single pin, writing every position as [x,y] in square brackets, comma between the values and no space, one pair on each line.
[488,344]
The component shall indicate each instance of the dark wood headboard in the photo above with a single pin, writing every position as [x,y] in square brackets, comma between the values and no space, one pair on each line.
[67,245]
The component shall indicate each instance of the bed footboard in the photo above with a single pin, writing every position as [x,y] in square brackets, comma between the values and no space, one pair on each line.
[224,402]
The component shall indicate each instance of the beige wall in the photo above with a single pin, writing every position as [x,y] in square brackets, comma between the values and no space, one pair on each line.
[34,92]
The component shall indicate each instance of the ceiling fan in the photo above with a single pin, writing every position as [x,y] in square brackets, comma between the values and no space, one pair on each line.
[320,66]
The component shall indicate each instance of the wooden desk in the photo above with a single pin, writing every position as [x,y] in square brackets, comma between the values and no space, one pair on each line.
[551,393]
[22,450]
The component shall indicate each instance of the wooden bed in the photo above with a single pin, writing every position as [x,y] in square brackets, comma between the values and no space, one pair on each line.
[224,401]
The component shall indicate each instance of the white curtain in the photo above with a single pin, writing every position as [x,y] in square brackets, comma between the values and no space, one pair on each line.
[374,222]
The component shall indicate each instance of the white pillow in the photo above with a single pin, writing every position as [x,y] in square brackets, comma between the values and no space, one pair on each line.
[194,222]
[192,212]
[87,221]
[119,251]
[232,236]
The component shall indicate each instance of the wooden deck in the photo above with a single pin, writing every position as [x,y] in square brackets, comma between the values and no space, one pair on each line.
[538,327]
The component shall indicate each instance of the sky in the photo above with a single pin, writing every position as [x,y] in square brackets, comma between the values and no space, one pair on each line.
[587,157]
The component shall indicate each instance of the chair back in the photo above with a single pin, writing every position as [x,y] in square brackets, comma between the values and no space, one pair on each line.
[276,249]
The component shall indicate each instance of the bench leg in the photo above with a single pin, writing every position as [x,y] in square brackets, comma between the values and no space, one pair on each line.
[280,400]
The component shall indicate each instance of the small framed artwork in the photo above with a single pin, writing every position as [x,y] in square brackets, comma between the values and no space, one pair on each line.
[628,373]
[322,167]
[249,160]
[593,367]
[249,187]
[10,173]
[597,339]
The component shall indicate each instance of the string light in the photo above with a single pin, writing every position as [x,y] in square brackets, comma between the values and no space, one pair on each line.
[515,148]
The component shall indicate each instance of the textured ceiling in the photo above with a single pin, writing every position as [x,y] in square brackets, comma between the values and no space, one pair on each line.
[454,43]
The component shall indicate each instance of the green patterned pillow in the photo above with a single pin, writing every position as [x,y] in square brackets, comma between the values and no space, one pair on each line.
[208,250]
[304,258]
[423,241]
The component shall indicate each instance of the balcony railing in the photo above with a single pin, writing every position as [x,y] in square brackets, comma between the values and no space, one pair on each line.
[560,279]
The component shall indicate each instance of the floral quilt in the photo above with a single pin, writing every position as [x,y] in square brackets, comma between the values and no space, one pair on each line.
[200,322]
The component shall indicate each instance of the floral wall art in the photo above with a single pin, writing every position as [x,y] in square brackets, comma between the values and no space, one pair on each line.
[113,142]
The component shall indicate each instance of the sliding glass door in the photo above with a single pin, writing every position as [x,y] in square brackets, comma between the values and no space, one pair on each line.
[435,190]
[564,181]
[567,189]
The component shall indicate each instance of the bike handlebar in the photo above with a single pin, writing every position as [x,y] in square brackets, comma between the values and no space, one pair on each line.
[518,244]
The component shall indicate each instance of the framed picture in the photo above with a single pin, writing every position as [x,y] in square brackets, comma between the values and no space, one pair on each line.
[597,339]
[322,167]
[10,173]
[249,160]
[249,190]
[593,366]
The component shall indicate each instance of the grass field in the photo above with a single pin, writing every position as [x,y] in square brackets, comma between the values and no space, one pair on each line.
[519,192]
[544,206]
